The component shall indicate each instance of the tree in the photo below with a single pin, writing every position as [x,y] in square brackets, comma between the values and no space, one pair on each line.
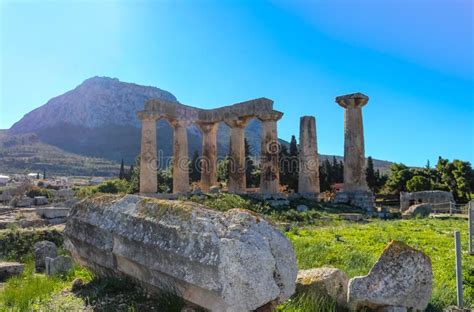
[399,175]
[249,166]
[122,171]
[293,169]
[44,173]
[418,184]
[462,172]
[195,168]
[370,176]
[223,170]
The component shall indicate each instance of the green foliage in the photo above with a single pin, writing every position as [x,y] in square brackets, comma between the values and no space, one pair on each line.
[305,303]
[16,243]
[330,173]
[250,169]
[360,245]
[399,176]
[39,191]
[374,179]
[225,202]
[289,165]
[111,186]
[223,170]
[418,183]
[195,168]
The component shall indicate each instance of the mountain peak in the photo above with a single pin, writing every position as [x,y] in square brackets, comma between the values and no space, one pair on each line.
[98,101]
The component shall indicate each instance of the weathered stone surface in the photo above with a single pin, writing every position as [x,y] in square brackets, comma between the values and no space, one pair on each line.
[425,197]
[42,250]
[41,200]
[232,261]
[270,174]
[58,265]
[180,157]
[354,150]
[214,190]
[418,211]
[392,309]
[53,212]
[323,282]
[308,177]
[9,269]
[361,199]
[237,180]
[148,157]
[401,277]
[21,201]
[209,155]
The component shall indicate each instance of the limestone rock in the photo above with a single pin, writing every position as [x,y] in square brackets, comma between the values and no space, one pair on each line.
[42,250]
[9,269]
[58,265]
[21,201]
[419,210]
[53,212]
[41,200]
[401,277]
[323,282]
[214,189]
[302,208]
[232,261]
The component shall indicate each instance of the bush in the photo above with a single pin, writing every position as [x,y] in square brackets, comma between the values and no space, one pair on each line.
[38,191]
[111,187]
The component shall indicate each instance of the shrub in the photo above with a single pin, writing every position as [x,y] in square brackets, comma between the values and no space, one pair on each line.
[111,187]
[39,191]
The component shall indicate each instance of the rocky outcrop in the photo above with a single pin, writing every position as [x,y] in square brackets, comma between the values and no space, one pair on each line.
[402,277]
[418,211]
[231,261]
[58,265]
[323,282]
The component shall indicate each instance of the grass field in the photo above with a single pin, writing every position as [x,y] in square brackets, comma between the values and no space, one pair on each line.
[361,244]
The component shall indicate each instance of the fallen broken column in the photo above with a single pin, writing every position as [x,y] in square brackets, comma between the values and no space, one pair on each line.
[232,261]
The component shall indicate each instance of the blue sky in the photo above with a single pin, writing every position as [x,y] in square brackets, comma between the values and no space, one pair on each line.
[414,59]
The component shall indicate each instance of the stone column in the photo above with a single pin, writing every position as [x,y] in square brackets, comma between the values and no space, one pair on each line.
[237,181]
[270,169]
[148,165]
[180,157]
[209,155]
[354,155]
[308,176]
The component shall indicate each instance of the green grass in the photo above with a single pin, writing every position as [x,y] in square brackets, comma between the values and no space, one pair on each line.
[360,246]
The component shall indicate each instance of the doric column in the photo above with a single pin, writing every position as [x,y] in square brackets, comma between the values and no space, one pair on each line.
[148,165]
[308,176]
[180,157]
[209,155]
[270,172]
[354,155]
[237,181]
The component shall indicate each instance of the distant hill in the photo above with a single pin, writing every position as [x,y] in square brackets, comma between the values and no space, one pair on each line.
[98,119]
[25,153]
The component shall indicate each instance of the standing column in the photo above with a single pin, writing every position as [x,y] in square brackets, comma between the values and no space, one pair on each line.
[308,176]
[270,171]
[354,154]
[209,155]
[237,181]
[148,166]
[180,157]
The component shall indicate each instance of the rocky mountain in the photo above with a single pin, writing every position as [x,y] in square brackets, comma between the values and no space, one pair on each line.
[98,119]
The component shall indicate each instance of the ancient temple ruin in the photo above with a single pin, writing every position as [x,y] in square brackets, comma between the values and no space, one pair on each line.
[236,117]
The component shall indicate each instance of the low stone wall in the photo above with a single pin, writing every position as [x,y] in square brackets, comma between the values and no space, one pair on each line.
[425,197]
[231,261]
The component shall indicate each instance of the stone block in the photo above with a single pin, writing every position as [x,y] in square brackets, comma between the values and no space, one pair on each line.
[41,200]
[58,265]
[42,250]
[9,269]
[323,282]
[402,277]
[232,261]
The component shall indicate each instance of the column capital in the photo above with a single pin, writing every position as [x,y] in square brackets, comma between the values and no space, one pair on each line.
[147,116]
[353,100]
[179,122]
[238,122]
[207,127]
[271,116]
